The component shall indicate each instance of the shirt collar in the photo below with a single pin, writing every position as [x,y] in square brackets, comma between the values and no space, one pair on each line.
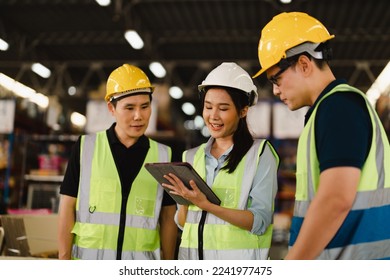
[208,149]
[328,88]
[143,141]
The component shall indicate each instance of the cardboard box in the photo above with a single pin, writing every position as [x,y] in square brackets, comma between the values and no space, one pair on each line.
[30,235]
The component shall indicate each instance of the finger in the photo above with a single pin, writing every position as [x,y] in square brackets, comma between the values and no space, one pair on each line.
[170,179]
[194,186]
[168,186]
[175,178]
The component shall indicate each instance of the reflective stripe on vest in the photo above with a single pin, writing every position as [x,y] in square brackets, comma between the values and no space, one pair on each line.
[363,234]
[221,239]
[99,203]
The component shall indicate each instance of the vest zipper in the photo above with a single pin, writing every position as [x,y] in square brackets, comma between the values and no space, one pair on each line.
[200,234]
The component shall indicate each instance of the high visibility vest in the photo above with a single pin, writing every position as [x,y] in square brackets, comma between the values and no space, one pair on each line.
[98,205]
[222,240]
[365,233]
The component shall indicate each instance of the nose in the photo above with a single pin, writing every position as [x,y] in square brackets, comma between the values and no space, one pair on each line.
[214,114]
[275,90]
[137,114]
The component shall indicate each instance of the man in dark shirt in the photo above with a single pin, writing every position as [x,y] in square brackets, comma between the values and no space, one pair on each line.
[120,151]
[343,158]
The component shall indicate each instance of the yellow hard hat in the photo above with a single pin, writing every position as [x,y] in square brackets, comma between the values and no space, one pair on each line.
[126,80]
[286,31]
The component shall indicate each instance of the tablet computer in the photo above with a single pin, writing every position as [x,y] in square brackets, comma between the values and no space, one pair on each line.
[185,172]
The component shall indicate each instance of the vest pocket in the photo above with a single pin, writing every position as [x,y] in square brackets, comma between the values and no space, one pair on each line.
[88,235]
[143,207]
[227,196]
[105,194]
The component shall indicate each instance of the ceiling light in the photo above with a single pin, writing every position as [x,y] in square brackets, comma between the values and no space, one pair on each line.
[17,88]
[134,39]
[78,119]
[3,45]
[175,92]
[103,2]
[72,90]
[199,122]
[205,131]
[23,91]
[40,99]
[6,82]
[380,86]
[188,108]
[157,69]
[41,70]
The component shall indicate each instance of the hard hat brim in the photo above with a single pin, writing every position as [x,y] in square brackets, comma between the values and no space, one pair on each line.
[261,71]
[121,95]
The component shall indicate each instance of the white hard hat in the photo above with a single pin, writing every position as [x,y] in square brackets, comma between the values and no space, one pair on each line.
[229,74]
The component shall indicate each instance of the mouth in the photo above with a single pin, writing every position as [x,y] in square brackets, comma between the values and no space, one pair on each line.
[138,126]
[216,126]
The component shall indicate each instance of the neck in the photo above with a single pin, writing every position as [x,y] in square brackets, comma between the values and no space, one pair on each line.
[220,146]
[319,84]
[126,140]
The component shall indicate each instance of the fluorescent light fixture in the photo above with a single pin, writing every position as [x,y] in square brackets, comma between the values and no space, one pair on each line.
[188,108]
[41,70]
[380,86]
[6,82]
[17,88]
[175,92]
[3,45]
[23,91]
[157,69]
[103,3]
[78,119]
[285,1]
[40,99]
[134,39]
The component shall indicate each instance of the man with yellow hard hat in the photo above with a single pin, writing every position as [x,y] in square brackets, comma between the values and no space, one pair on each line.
[342,200]
[111,207]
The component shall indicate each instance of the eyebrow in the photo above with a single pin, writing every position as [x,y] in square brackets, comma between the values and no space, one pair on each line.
[219,104]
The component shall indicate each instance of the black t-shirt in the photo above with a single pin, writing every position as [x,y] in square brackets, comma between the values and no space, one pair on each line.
[343,129]
[128,162]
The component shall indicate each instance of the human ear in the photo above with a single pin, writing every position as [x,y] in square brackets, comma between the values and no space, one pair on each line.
[110,108]
[244,112]
[305,64]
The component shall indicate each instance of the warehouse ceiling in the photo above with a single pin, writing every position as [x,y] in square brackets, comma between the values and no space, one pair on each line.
[82,42]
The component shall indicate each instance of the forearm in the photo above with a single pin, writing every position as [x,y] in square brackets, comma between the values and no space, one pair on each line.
[321,223]
[327,212]
[168,232]
[65,244]
[240,218]
[182,215]
[66,220]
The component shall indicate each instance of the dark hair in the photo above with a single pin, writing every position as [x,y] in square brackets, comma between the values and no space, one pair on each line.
[242,134]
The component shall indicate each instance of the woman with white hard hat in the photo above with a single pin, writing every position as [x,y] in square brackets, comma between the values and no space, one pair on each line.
[241,171]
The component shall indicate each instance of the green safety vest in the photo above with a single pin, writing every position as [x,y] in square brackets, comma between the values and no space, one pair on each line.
[99,200]
[222,240]
[362,235]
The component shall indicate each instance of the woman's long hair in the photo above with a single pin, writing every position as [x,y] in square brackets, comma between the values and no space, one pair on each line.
[242,138]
